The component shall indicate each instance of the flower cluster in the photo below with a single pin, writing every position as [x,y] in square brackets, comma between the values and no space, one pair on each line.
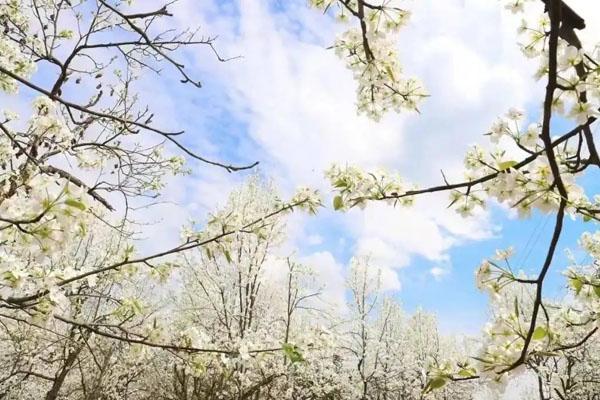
[578,92]
[584,279]
[355,187]
[12,58]
[370,54]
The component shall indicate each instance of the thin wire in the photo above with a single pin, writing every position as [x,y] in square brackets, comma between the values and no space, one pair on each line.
[523,251]
[537,239]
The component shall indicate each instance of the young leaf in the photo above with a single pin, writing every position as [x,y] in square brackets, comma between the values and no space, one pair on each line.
[434,383]
[539,333]
[227,255]
[576,284]
[467,372]
[292,353]
[75,203]
[503,166]
[338,202]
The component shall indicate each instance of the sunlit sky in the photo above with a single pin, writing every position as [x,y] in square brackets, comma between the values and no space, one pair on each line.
[288,102]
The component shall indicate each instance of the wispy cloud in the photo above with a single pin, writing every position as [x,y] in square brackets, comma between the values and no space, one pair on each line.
[290,102]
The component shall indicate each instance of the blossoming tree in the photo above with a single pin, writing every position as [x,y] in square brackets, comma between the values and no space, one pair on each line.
[71,173]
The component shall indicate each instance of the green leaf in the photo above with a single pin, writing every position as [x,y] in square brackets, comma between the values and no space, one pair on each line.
[338,203]
[587,218]
[597,290]
[503,166]
[198,366]
[340,183]
[75,203]
[11,278]
[129,250]
[390,72]
[227,255]
[136,307]
[291,351]
[65,34]
[539,333]
[576,284]
[467,372]
[435,383]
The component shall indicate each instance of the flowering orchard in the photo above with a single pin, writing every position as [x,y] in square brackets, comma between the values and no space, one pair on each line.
[86,315]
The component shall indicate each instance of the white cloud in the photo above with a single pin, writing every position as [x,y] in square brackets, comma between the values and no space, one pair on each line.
[438,273]
[296,103]
[392,236]
[330,273]
[314,240]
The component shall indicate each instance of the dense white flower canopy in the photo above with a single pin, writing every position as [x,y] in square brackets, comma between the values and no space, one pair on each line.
[258,295]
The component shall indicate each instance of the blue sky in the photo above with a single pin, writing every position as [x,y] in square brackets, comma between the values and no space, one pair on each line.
[289,103]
